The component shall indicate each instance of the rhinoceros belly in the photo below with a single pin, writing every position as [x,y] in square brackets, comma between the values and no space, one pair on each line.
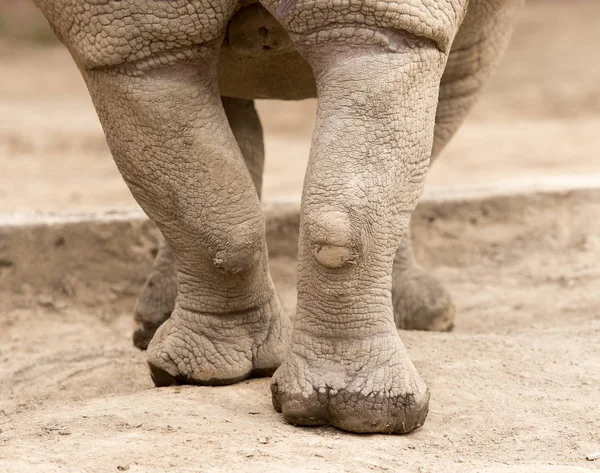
[258,59]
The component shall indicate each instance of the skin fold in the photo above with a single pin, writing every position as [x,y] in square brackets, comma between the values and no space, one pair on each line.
[173,84]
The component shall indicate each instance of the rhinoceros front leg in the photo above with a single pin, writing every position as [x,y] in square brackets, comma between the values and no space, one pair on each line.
[171,139]
[377,72]
[151,70]
[157,297]
[347,366]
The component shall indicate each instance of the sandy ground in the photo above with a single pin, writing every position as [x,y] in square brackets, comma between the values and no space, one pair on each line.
[516,387]
[540,116]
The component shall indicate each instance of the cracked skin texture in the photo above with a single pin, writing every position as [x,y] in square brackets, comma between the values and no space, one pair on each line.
[173,84]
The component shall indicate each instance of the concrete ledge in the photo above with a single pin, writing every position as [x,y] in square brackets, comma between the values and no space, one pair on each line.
[92,253]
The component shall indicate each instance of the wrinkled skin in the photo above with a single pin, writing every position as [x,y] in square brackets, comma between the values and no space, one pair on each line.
[173,84]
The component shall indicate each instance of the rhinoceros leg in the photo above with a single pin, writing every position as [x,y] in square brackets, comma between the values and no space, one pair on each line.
[157,297]
[420,300]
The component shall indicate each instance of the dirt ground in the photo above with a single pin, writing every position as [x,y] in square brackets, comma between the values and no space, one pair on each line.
[515,388]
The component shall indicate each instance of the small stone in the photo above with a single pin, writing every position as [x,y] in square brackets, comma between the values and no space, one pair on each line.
[123,467]
[263,440]
[589,243]
[592,456]
[46,302]
[566,282]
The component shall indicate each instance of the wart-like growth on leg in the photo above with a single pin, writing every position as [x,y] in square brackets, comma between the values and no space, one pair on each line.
[331,238]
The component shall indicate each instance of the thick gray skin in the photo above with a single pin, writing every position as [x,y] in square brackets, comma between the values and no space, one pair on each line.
[156,70]
[157,299]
